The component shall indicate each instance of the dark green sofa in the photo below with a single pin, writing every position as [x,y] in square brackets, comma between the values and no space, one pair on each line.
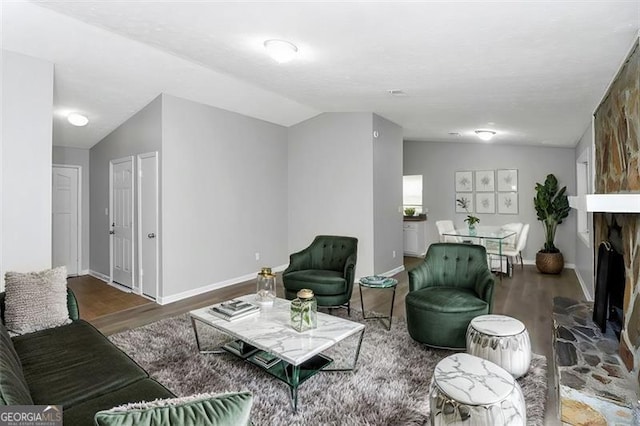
[451,287]
[74,366]
[77,367]
[327,267]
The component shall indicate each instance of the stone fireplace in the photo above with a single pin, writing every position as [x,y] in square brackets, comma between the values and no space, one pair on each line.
[598,371]
[617,171]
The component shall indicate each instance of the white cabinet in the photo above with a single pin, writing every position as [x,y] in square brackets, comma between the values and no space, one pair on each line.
[415,237]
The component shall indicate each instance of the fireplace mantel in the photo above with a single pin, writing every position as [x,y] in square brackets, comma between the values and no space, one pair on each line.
[607,203]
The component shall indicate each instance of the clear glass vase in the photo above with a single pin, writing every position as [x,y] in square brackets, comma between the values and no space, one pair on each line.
[266,287]
[304,311]
[472,229]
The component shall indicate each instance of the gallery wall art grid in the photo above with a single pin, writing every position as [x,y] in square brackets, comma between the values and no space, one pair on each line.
[487,191]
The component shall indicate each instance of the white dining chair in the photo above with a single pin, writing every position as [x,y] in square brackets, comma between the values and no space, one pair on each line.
[512,241]
[446,226]
[513,253]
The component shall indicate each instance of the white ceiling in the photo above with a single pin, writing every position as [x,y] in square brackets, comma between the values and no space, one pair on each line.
[532,70]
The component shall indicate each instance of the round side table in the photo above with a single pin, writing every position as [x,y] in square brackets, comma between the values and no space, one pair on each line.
[467,390]
[379,283]
[502,340]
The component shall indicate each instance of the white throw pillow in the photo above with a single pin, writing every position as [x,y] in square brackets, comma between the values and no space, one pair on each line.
[35,300]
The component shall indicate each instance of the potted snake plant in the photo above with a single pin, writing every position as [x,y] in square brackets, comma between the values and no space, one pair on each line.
[552,207]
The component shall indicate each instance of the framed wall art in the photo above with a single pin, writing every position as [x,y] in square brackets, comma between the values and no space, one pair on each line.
[508,203]
[485,181]
[485,203]
[468,196]
[464,181]
[508,180]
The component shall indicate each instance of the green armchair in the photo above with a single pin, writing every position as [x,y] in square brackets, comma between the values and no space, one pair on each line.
[327,267]
[451,287]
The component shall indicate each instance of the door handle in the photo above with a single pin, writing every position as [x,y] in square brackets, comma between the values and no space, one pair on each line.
[151,235]
[112,232]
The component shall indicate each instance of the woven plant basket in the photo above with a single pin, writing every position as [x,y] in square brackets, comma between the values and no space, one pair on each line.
[549,263]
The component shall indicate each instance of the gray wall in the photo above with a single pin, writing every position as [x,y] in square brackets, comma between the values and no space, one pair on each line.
[25,183]
[437,162]
[331,182]
[387,195]
[140,134]
[584,253]
[79,157]
[224,195]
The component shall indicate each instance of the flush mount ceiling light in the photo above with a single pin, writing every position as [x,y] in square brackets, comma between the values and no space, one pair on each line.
[280,50]
[485,135]
[396,92]
[77,119]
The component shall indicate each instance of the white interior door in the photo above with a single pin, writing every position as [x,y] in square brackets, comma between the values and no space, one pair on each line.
[148,238]
[121,217]
[65,218]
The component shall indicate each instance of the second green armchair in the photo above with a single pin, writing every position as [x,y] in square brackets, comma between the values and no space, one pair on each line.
[451,287]
[327,267]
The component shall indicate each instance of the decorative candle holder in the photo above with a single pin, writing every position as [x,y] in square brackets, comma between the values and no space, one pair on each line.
[304,311]
[266,287]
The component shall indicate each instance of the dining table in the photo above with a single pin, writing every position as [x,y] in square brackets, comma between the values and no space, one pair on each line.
[493,238]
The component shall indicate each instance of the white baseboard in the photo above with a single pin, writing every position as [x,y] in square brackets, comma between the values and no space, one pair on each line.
[107,280]
[394,271]
[390,273]
[120,287]
[280,268]
[99,276]
[533,262]
[583,284]
[85,272]
[210,287]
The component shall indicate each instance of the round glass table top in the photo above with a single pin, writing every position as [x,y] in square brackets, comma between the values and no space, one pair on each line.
[378,281]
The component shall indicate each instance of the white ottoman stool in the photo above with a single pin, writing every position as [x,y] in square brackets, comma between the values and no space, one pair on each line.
[502,340]
[470,391]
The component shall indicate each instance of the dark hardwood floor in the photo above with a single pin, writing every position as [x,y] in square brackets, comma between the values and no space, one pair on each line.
[528,296]
[97,299]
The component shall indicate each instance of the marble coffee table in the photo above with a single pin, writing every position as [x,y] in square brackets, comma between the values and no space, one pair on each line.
[300,354]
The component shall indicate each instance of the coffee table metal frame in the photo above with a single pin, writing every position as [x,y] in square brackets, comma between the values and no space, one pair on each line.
[293,372]
[393,283]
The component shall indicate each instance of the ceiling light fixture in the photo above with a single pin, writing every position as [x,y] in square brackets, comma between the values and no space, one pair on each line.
[485,135]
[396,92]
[77,119]
[281,50]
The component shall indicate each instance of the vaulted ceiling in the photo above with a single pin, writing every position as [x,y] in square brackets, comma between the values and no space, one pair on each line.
[534,71]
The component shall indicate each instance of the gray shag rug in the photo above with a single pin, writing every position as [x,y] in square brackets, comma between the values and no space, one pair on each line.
[389,387]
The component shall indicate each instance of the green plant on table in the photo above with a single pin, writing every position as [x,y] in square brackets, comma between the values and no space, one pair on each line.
[471,219]
[552,207]
[409,211]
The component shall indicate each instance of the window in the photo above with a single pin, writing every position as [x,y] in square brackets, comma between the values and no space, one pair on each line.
[412,192]
[583,188]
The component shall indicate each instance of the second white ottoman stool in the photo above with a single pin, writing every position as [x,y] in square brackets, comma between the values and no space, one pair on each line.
[502,340]
[471,391]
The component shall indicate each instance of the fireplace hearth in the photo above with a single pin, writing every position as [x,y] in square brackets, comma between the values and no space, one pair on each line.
[591,376]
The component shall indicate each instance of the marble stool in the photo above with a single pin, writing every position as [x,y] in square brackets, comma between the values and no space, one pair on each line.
[471,391]
[502,340]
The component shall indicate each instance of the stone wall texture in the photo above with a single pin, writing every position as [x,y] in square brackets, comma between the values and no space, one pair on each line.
[617,156]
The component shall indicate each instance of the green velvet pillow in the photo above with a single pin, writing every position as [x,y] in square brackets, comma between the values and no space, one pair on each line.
[230,409]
